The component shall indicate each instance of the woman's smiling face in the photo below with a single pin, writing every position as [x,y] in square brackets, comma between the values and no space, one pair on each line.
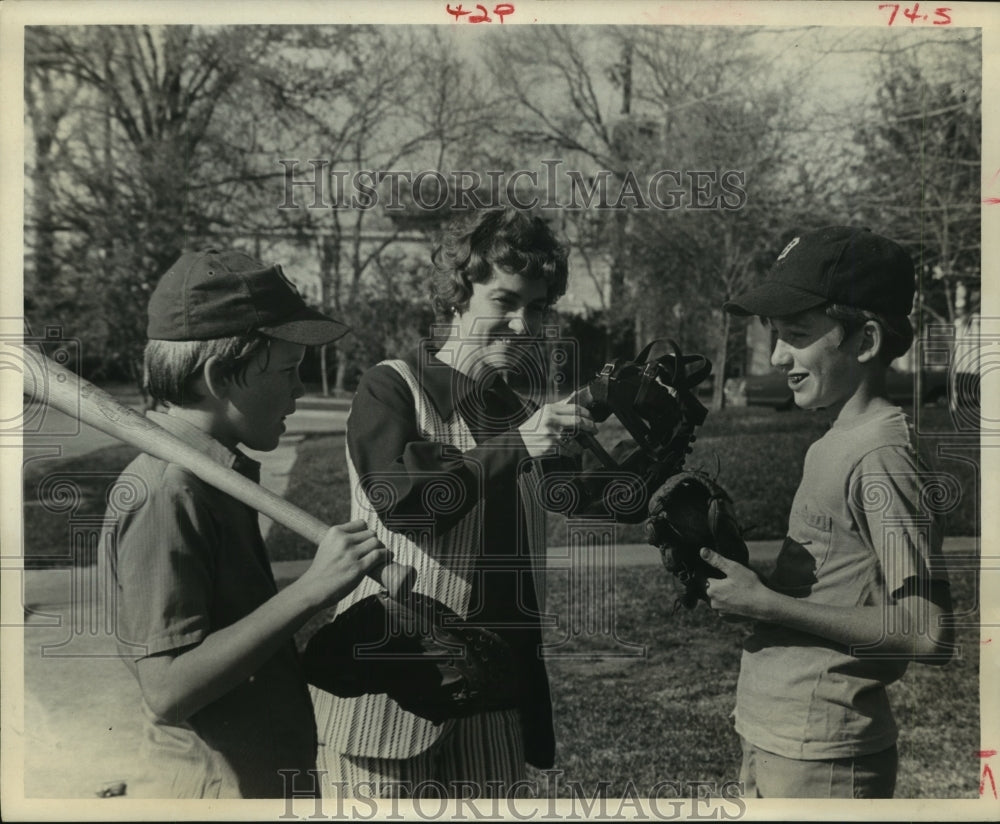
[502,313]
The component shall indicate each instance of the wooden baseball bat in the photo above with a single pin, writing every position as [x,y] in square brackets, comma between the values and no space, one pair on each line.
[50,383]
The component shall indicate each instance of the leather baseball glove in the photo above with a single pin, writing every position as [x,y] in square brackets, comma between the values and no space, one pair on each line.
[654,399]
[421,654]
[688,511]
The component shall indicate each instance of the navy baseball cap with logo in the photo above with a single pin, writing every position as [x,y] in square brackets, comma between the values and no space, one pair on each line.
[221,294]
[837,264]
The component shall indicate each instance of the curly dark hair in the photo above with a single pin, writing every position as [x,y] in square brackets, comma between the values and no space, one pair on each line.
[507,238]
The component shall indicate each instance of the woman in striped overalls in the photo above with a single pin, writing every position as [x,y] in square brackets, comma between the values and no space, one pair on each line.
[442,456]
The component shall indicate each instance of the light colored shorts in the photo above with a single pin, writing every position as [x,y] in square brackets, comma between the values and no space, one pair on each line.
[767,775]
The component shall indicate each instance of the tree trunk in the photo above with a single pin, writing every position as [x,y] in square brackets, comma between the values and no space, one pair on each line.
[44,124]
[323,371]
[918,354]
[329,279]
[339,381]
[960,345]
[617,286]
[719,367]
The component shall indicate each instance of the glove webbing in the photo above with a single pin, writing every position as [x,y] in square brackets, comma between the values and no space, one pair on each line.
[659,394]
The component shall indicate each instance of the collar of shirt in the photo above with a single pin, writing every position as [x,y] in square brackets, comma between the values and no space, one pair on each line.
[205,443]
[448,389]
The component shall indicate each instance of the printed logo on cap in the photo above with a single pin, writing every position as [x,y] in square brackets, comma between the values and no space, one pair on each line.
[794,242]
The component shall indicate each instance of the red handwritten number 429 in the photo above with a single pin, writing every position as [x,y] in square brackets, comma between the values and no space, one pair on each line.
[914,15]
[501,10]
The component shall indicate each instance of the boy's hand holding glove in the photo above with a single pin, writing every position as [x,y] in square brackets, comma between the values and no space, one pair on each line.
[654,399]
[687,512]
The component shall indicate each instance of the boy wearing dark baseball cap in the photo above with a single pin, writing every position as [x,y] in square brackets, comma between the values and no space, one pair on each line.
[226,708]
[859,588]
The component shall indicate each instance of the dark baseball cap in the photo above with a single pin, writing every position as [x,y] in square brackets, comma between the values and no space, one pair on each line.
[220,294]
[837,264]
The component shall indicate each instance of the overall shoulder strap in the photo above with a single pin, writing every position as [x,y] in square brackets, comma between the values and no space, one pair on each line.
[420,402]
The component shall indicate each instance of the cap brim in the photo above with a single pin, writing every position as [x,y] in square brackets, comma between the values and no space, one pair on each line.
[308,328]
[773,299]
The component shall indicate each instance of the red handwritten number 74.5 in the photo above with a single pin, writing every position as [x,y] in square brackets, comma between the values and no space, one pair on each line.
[913,15]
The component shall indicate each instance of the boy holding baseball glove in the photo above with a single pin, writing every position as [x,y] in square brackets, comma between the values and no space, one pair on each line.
[859,587]
[223,698]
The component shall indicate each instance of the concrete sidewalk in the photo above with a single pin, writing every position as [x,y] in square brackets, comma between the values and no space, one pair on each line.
[51,592]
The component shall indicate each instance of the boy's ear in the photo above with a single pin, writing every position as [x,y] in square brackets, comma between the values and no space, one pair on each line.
[870,341]
[215,379]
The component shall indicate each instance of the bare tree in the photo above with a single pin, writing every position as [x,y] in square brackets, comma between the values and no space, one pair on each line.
[135,138]
[403,101]
[719,116]
[921,167]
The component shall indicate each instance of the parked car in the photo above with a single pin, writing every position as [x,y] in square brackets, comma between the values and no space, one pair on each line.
[772,389]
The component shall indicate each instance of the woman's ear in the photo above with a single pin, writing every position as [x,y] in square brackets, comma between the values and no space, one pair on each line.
[215,379]
[870,341]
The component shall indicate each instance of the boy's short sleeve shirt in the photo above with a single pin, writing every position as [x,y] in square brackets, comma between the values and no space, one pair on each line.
[858,532]
[189,560]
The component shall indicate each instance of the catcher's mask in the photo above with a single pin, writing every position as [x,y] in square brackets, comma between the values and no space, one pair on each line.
[654,400]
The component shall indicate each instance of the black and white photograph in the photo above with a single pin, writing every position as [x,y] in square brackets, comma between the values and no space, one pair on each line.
[458,411]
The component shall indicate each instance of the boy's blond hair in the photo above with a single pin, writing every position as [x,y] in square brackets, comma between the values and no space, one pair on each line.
[171,368]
